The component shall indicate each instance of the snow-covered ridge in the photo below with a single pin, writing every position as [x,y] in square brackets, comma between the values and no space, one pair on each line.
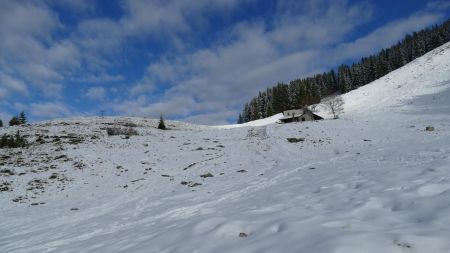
[122,120]
[372,181]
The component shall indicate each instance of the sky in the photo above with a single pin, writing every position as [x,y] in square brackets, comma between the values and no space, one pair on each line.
[197,61]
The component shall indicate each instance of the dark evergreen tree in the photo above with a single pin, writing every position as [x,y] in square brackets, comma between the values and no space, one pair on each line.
[16,141]
[22,118]
[240,119]
[14,121]
[4,141]
[161,124]
[1,123]
[20,141]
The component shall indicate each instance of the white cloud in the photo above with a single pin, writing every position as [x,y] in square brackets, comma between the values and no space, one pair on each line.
[20,107]
[29,51]
[100,78]
[5,117]
[96,93]
[75,5]
[142,88]
[9,85]
[64,56]
[439,5]
[177,106]
[170,16]
[384,36]
[49,110]
[212,118]
[317,23]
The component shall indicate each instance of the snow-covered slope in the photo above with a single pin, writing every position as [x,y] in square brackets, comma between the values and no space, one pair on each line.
[256,123]
[372,181]
[422,83]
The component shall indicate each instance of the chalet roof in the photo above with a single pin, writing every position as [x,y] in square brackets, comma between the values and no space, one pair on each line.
[298,113]
[293,113]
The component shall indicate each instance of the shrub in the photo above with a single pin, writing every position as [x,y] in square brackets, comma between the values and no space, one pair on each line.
[14,121]
[121,131]
[161,124]
[10,141]
[22,118]
[295,140]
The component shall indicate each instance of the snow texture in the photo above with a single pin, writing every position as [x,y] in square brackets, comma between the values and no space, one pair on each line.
[372,181]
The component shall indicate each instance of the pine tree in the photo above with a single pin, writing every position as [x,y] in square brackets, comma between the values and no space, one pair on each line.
[4,141]
[22,118]
[240,119]
[10,141]
[161,124]
[1,123]
[14,121]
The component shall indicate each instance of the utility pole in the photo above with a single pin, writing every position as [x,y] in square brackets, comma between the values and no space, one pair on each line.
[102,113]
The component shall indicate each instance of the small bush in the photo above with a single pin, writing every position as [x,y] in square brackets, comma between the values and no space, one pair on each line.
[121,131]
[14,121]
[295,140]
[161,124]
[207,175]
[10,141]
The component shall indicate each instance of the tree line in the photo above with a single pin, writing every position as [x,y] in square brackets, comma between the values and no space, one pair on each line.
[311,90]
[16,120]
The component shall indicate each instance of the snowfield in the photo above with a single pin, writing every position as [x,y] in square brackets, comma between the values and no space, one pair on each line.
[372,181]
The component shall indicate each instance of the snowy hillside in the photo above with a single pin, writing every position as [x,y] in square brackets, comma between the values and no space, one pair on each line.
[256,123]
[372,181]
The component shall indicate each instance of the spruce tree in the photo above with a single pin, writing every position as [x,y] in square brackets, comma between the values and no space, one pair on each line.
[14,121]
[4,141]
[161,124]
[240,119]
[1,123]
[22,118]
[20,141]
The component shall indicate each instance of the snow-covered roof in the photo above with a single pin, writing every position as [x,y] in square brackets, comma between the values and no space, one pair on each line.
[295,113]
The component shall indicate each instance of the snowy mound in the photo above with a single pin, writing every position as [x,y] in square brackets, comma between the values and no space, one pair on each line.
[376,180]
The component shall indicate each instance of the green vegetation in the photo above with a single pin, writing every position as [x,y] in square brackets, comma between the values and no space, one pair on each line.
[161,124]
[18,120]
[13,141]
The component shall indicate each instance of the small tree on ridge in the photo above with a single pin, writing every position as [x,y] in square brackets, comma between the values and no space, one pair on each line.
[161,124]
[22,118]
[14,121]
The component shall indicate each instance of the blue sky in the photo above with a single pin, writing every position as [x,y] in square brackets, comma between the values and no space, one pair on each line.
[197,61]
